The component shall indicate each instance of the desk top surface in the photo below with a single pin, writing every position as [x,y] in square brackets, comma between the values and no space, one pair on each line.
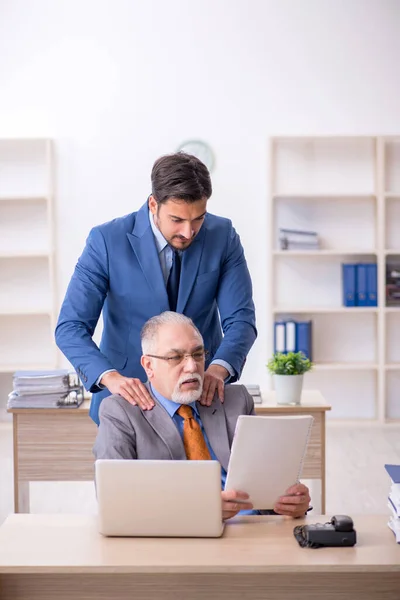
[32,543]
[310,399]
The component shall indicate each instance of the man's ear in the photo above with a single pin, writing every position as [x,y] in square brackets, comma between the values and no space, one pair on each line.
[147,365]
[153,205]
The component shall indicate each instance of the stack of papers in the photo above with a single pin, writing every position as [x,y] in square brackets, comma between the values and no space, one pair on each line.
[394,500]
[254,391]
[45,389]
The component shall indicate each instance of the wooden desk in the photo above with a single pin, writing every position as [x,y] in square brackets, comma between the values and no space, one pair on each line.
[56,444]
[43,557]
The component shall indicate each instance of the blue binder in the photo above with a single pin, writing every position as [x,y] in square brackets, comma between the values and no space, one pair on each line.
[304,338]
[349,284]
[362,285]
[372,284]
[393,472]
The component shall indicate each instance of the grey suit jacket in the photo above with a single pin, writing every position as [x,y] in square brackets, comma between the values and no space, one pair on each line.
[127,432]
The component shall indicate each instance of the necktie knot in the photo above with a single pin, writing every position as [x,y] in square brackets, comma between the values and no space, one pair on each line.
[186,412]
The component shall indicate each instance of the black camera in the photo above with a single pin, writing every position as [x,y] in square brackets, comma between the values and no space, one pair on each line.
[338,532]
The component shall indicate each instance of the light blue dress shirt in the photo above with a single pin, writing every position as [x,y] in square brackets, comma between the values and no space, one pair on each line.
[171,408]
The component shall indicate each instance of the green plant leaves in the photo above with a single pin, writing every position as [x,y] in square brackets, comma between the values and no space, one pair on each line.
[292,363]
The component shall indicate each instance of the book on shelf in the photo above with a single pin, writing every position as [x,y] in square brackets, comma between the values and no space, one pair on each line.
[393,284]
[295,239]
[394,499]
[359,284]
[293,336]
[58,388]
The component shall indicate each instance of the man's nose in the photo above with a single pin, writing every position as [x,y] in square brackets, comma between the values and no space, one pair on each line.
[190,365]
[187,231]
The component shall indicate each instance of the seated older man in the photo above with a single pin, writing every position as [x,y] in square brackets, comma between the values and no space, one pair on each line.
[179,427]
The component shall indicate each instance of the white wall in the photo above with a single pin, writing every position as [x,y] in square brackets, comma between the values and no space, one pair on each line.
[116,83]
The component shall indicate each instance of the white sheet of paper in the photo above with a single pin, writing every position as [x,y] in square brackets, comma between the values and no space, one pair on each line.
[267,456]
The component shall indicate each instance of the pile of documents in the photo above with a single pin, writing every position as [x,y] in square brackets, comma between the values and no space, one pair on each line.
[295,239]
[45,389]
[255,393]
[394,500]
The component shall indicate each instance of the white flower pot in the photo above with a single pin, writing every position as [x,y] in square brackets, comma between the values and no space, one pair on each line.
[288,388]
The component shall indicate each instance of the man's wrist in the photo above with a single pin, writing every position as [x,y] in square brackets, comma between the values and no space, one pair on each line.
[99,381]
[230,372]
[218,371]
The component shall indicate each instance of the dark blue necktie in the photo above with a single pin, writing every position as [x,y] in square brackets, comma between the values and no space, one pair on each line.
[173,281]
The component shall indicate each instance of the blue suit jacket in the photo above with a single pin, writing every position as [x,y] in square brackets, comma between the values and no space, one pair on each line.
[119,272]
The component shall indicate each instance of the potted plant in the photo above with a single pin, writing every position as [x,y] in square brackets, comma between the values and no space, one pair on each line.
[288,370]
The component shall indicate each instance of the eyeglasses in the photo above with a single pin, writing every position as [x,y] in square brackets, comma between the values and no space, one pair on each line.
[198,356]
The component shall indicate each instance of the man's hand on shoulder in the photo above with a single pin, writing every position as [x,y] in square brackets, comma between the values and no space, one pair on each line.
[130,388]
[295,501]
[214,379]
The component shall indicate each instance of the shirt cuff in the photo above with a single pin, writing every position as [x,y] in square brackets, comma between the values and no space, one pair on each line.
[100,385]
[223,363]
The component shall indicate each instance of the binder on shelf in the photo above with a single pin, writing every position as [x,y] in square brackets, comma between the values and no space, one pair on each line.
[349,284]
[291,335]
[304,338]
[372,284]
[361,285]
[280,336]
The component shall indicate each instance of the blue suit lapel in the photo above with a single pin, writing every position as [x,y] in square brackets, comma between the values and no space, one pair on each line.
[143,245]
[190,266]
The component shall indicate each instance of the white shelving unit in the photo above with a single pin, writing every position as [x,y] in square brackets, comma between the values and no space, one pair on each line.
[348,190]
[27,285]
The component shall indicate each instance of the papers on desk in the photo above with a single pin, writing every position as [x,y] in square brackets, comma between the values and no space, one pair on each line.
[45,389]
[394,500]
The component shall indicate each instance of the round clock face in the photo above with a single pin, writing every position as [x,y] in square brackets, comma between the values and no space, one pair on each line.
[200,150]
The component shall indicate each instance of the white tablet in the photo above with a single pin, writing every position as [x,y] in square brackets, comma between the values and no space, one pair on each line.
[267,456]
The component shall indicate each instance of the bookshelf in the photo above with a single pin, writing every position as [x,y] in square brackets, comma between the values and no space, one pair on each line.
[347,188]
[27,282]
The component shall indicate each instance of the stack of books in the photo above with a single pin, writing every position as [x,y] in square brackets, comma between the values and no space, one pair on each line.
[394,500]
[255,393]
[45,389]
[393,284]
[295,239]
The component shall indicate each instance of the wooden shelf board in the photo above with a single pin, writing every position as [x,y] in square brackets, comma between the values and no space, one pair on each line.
[394,195]
[20,198]
[33,254]
[28,367]
[347,366]
[324,196]
[13,312]
[316,309]
[325,252]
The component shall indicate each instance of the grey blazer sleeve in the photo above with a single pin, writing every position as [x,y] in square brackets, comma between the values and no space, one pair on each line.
[116,438]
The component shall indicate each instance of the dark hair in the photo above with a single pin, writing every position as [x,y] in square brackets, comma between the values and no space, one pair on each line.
[181,176]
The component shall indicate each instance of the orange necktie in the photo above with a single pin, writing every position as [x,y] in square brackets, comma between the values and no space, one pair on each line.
[193,438]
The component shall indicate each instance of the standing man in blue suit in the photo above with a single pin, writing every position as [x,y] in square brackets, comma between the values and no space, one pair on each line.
[169,255]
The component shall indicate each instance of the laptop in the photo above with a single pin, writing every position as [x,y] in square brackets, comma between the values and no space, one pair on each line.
[159,498]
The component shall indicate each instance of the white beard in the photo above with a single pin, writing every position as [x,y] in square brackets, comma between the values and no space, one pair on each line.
[191,395]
